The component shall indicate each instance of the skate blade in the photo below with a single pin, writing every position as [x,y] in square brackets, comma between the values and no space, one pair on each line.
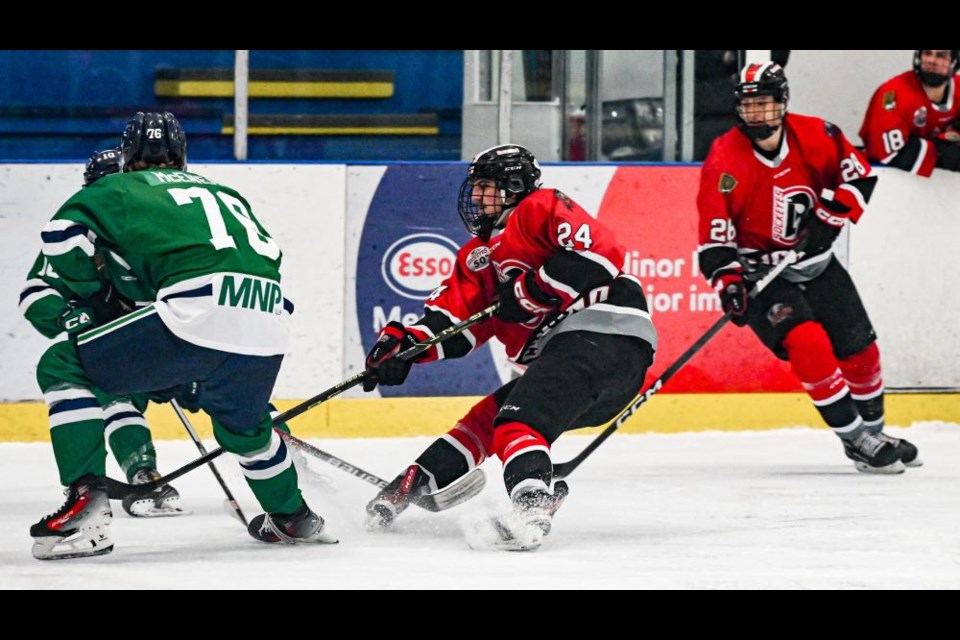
[380,518]
[151,511]
[890,469]
[493,533]
[82,544]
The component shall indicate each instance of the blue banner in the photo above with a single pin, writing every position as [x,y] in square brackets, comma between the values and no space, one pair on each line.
[407,248]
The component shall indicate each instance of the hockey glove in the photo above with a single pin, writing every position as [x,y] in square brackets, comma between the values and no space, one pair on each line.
[108,305]
[733,295]
[161,396]
[948,154]
[77,317]
[386,368]
[521,299]
[816,235]
[188,396]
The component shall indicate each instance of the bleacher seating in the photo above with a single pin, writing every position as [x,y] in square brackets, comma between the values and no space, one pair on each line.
[303,104]
[274,83]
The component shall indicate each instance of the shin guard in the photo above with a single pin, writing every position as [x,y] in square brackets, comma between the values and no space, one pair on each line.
[811,357]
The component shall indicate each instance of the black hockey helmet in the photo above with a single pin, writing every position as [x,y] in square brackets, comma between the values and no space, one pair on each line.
[935,79]
[101,163]
[154,138]
[762,79]
[515,172]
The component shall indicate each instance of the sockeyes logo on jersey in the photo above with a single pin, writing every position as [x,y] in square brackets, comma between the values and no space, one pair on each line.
[789,207]
[416,264]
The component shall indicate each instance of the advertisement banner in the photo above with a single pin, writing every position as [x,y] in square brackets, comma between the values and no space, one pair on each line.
[411,232]
[654,211]
[408,245]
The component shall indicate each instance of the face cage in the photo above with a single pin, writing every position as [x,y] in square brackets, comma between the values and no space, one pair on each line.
[761,129]
[478,223]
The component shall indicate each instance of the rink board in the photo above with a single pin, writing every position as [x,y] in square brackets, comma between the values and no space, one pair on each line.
[394,417]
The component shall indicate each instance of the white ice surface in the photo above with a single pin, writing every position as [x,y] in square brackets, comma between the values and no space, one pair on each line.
[747,510]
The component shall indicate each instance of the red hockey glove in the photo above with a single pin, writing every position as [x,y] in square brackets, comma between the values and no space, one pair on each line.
[820,229]
[521,299]
[387,369]
[733,295]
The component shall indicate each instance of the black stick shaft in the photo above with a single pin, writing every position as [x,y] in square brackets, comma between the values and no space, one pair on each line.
[213,468]
[118,490]
[564,469]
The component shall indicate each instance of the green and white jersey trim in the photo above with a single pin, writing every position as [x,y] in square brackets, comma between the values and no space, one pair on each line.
[233,312]
[123,321]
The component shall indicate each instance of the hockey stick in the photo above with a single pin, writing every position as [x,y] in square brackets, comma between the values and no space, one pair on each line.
[231,502]
[450,496]
[564,469]
[118,490]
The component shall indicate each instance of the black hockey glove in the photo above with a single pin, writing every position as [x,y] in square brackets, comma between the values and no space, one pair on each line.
[108,305]
[521,299]
[188,396]
[385,367]
[161,396]
[816,236]
[733,295]
[948,154]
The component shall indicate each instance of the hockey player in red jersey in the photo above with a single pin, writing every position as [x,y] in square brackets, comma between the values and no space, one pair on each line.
[913,120]
[780,181]
[566,310]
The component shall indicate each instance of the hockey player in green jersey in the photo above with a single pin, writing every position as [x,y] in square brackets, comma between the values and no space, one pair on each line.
[48,305]
[218,317]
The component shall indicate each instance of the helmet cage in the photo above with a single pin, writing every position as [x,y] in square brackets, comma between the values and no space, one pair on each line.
[756,80]
[514,171]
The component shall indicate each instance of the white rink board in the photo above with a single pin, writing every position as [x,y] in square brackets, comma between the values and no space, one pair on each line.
[901,257]
[301,205]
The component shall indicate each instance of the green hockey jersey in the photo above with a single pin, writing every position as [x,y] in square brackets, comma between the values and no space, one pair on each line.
[212,269]
[45,298]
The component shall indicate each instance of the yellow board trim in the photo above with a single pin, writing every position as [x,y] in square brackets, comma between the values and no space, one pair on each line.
[261,89]
[403,417]
[332,131]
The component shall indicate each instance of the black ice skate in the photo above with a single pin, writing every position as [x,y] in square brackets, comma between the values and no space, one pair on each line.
[873,454]
[531,519]
[161,502]
[906,451]
[80,527]
[301,527]
[394,498]
[400,493]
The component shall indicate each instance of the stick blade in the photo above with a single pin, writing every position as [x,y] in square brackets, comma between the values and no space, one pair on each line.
[457,493]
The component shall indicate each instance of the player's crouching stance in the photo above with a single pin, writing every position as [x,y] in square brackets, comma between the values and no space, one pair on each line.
[565,309]
[197,247]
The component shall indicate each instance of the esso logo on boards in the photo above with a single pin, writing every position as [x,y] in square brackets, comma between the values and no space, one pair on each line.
[415,265]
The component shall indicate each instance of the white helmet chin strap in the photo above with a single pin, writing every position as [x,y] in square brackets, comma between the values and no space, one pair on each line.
[507,210]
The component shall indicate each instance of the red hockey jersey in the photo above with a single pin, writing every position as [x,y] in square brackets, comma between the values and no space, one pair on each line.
[575,259]
[900,109]
[752,206]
